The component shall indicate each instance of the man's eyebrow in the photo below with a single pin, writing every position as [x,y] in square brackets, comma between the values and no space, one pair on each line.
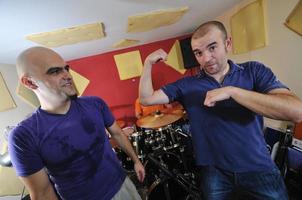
[211,44]
[196,50]
[53,69]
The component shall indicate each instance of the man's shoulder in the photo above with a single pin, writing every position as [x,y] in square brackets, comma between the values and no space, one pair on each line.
[29,124]
[89,99]
[90,102]
[249,64]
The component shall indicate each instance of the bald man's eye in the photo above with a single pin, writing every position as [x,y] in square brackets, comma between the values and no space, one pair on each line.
[55,70]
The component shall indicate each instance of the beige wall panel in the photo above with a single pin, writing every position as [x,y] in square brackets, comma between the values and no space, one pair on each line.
[155,19]
[6,100]
[69,36]
[248,28]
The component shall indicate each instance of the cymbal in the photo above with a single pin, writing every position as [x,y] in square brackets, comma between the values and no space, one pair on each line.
[159,119]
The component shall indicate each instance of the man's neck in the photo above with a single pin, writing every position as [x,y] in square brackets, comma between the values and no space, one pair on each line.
[57,108]
[220,76]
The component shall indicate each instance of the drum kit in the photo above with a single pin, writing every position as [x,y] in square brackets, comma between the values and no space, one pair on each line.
[162,142]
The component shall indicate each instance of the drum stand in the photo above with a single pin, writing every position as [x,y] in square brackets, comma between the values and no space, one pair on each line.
[194,192]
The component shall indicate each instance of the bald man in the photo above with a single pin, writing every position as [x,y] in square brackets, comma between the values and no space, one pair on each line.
[62,148]
[225,103]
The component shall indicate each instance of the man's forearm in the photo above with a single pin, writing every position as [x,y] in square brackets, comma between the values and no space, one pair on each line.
[47,194]
[282,106]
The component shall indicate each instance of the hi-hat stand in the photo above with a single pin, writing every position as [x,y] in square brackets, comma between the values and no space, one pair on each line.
[180,179]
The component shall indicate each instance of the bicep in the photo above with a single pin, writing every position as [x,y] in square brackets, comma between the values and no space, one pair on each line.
[39,185]
[158,97]
[114,129]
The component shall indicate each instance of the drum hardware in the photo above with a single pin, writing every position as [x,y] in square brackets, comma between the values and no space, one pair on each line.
[282,151]
[180,132]
[181,180]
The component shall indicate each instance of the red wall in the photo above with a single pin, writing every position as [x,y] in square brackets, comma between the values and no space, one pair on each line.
[121,94]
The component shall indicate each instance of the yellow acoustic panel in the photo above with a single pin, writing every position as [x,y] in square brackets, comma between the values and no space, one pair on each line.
[27,95]
[155,19]
[175,58]
[6,101]
[69,36]
[248,28]
[30,97]
[80,82]
[294,20]
[129,64]
[125,43]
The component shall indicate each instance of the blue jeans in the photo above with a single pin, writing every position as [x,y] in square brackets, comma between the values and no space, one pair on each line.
[217,184]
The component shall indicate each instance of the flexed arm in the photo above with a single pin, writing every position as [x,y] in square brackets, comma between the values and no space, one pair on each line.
[147,95]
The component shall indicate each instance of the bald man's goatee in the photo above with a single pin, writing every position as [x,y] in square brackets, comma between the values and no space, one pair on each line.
[73,97]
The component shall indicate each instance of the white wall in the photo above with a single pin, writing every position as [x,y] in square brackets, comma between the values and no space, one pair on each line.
[283,52]
[13,116]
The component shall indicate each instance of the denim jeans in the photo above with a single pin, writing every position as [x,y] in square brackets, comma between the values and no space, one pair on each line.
[217,184]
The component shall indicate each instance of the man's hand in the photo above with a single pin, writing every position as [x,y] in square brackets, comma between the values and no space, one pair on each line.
[156,56]
[139,170]
[215,95]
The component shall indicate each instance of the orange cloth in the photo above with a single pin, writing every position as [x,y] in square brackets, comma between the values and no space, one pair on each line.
[146,110]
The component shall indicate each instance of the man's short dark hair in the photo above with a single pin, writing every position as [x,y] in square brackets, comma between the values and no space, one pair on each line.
[205,27]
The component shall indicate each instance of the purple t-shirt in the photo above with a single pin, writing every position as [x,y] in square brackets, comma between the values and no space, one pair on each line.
[228,135]
[73,148]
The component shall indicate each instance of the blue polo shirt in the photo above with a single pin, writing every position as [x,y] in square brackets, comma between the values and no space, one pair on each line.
[228,135]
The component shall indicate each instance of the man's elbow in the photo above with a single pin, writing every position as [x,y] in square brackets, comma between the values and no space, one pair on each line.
[145,101]
[297,116]
[298,119]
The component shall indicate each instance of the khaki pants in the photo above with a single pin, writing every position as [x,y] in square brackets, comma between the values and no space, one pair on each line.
[127,191]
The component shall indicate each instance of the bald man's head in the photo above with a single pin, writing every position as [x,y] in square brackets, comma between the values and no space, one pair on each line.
[34,58]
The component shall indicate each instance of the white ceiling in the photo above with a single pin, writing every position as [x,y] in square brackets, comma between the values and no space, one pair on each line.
[19,18]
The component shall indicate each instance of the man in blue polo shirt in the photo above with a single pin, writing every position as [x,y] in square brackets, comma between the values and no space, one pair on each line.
[225,103]
[62,148]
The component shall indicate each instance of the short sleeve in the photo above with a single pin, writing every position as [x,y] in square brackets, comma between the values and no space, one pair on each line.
[105,111]
[23,152]
[173,91]
[265,79]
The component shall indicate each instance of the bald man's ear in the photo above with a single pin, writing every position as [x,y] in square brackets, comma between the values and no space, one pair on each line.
[28,82]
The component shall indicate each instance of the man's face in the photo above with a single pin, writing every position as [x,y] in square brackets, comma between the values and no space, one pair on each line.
[211,51]
[53,79]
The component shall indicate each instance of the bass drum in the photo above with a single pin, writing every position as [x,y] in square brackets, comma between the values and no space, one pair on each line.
[160,184]
[166,190]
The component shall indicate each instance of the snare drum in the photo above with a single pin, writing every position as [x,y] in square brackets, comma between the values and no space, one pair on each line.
[168,138]
[153,140]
